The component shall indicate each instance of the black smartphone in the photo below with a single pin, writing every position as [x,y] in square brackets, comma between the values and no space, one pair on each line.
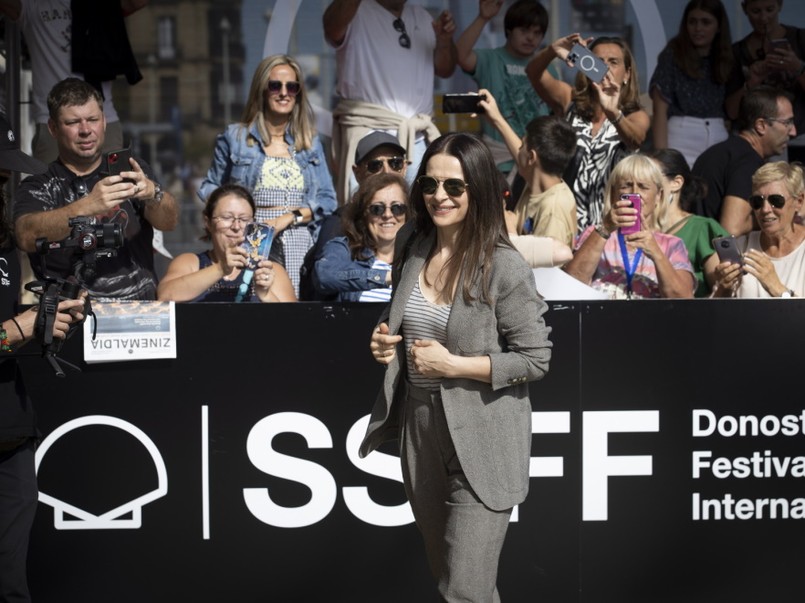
[115,162]
[727,250]
[462,103]
[588,63]
[780,43]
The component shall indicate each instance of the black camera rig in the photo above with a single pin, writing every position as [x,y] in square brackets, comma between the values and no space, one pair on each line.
[89,241]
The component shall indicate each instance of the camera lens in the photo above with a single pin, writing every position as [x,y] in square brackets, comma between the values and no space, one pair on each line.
[725,244]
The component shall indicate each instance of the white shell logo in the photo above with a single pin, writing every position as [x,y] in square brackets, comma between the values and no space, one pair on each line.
[110,520]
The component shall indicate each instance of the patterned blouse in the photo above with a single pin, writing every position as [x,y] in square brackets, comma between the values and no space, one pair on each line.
[687,96]
[590,169]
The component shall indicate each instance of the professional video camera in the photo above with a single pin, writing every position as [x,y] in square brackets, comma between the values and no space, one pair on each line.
[89,241]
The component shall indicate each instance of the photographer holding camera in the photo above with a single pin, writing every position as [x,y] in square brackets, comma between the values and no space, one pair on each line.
[18,431]
[77,184]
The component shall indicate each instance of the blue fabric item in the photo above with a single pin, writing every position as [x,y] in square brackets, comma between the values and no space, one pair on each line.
[335,272]
[235,160]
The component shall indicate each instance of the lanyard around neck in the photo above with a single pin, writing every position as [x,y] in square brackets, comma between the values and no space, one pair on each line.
[629,268]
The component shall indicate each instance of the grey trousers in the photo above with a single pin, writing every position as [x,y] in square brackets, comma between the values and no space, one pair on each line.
[463,537]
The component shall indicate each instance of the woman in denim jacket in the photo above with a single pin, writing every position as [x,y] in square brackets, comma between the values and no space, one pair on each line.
[275,153]
[357,267]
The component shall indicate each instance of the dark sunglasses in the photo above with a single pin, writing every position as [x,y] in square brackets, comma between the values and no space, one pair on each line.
[776,201]
[395,163]
[399,25]
[379,209]
[275,87]
[454,187]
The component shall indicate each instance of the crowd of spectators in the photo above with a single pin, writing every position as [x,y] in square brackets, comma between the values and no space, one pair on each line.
[719,111]
[696,200]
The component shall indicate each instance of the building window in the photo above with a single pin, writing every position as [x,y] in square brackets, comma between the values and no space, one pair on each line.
[166,38]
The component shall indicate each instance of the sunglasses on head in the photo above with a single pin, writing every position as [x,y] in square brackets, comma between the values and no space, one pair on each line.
[395,163]
[454,187]
[776,201]
[379,209]
[275,87]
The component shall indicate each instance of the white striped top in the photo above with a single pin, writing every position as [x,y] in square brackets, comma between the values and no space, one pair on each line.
[381,294]
[423,320]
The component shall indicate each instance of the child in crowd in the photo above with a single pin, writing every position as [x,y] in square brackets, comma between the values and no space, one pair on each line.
[502,70]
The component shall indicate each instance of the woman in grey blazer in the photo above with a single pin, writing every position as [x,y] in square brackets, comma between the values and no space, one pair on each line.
[461,339]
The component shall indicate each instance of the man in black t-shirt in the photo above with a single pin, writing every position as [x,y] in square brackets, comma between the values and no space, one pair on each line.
[76,184]
[764,127]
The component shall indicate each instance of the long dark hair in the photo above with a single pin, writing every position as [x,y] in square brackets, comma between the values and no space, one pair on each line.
[484,226]
[673,164]
[354,218]
[721,56]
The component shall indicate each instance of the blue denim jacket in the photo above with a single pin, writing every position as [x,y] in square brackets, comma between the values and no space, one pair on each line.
[236,161]
[335,272]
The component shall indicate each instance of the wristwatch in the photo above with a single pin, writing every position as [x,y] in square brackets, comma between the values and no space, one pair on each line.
[787,294]
[602,232]
[158,194]
[298,218]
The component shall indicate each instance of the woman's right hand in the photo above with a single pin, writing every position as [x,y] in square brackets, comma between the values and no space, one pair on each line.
[383,345]
[562,46]
[621,214]
[234,257]
[728,278]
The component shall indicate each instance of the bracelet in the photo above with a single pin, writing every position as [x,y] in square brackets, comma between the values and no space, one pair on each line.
[5,344]
[19,328]
[617,120]
[602,232]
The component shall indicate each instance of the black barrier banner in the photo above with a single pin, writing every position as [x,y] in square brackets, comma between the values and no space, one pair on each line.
[666,463]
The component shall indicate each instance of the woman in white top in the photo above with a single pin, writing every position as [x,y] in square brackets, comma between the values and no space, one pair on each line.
[774,256]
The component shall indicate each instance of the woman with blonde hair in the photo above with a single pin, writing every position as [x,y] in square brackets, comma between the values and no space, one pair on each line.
[642,264]
[607,117]
[276,154]
[773,257]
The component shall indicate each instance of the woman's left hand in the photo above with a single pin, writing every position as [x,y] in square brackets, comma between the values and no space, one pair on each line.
[759,265]
[280,223]
[784,59]
[263,277]
[430,358]
[645,240]
[609,95]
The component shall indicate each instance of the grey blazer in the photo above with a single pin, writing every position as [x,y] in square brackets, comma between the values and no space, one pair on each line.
[490,424]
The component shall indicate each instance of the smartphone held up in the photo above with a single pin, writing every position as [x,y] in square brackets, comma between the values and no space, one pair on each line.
[727,250]
[463,103]
[588,63]
[115,162]
[635,201]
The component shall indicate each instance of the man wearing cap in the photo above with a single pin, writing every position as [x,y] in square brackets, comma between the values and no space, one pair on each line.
[77,185]
[18,433]
[377,152]
[386,52]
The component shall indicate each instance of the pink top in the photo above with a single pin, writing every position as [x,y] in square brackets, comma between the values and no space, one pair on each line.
[610,275]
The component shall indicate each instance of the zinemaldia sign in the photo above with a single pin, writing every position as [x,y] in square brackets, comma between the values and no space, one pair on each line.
[761,464]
